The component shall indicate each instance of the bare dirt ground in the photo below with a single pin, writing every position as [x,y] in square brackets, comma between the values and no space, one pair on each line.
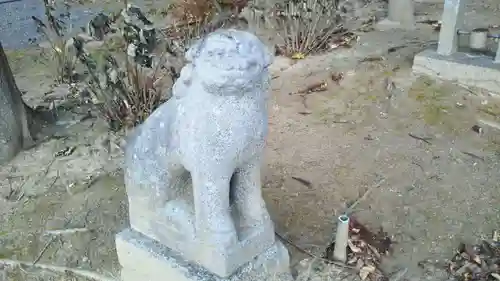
[357,136]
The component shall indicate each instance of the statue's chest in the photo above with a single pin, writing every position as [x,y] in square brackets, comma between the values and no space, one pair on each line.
[223,115]
[235,128]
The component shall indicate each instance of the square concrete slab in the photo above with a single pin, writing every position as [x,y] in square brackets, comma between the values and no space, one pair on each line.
[465,69]
[143,258]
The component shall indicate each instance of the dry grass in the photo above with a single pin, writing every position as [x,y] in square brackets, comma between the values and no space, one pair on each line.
[123,89]
[191,20]
[54,31]
[124,95]
[181,35]
[195,18]
[306,27]
[194,10]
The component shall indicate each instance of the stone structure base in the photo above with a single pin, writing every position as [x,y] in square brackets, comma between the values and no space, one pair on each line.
[387,24]
[173,227]
[469,70]
[144,259]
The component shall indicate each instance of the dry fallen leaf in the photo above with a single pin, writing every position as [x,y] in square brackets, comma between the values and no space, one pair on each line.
[66,151]
[359,264]
[374,251]
[379,240]
[337,77]
[471,253]
[355,260]
[495,275]
[475,262]
[362,254]
[365,271]
[477,259]
[315,87]
[353,248]
[372,59]
[298,56]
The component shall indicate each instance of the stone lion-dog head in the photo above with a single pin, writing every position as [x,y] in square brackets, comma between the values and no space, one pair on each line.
[231,60]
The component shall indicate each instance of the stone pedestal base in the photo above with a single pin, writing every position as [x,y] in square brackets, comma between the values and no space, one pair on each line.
[144,259]
[388,24]
[466,69]
[173,226]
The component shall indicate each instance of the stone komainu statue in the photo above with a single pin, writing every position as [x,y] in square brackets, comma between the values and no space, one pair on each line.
[210,135]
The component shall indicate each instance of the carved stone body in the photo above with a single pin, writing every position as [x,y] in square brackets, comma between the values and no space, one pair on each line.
[211,134]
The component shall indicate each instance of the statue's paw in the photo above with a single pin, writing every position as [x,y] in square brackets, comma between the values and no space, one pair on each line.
[254,220]
[225,240]
[157,205]
[247,228]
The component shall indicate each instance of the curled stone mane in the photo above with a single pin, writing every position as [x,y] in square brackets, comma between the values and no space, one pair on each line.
[228,62]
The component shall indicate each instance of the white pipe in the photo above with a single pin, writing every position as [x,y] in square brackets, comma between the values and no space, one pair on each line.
[341,238]
[497,57]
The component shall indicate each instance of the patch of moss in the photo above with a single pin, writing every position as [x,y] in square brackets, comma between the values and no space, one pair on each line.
[326,114]
[435,114]
[15,56]
[19,58]
[372,98]
[432,97]
[492,110]
[493,145]
[5,254]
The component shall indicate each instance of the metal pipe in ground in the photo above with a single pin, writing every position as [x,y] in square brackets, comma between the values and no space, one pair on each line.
[478,38]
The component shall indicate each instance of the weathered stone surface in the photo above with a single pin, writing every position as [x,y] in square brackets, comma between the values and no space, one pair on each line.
[497,56]
[174,228]
[15,117]
[143,258]
[401,14]
[211,133]
[469,70]
[452,20]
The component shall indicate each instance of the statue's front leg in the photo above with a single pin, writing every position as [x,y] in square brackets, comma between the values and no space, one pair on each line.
[248,197]
[214,223]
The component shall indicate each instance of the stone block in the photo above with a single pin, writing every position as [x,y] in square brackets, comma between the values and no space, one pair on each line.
[144,259]
[401,15]
[497,56]
[466,69]
[174,228]
[452,20]
[387,24]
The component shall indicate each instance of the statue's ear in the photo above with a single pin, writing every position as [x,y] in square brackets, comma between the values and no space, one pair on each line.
[267,55]
[187,74]
[192,52]
[269,58]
